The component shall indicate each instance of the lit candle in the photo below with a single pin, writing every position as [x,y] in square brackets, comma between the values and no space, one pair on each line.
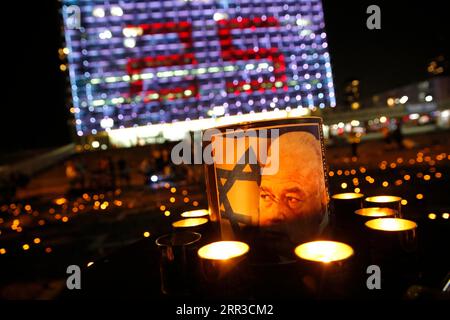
[198,220]
[385,201]
[344,206]
[393,247]
[376,212]
[356,234]
[224,268]
[325,268]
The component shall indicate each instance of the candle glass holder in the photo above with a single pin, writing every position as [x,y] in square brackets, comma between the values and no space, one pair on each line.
[393,247]
[356,234]
[343,207]
[200,225]
[344,223]
[384,201]
[178,262]
[224,269]
[327,269]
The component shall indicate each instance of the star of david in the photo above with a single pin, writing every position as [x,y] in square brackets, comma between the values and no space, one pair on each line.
[242,171]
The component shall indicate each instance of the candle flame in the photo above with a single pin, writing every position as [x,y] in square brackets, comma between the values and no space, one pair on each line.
[191,222]
[195,213]
[391,224]
[223,250]
[376,212]
[383,199]
[346,196]
[324,251]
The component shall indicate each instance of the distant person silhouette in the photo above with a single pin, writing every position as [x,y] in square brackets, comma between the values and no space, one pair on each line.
[398,135]
[124,172]
[354,139]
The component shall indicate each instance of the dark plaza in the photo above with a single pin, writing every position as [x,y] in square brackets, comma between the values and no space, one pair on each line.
[232,149]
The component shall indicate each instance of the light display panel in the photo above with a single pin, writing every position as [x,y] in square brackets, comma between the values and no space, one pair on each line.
[140,63]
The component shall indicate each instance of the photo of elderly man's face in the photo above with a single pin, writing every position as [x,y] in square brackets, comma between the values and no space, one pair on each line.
[295,195]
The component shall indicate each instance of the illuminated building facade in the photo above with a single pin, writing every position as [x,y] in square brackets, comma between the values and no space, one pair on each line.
[141,68]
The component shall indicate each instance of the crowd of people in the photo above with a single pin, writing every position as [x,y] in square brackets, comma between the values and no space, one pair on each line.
[10,183]
[108,173]
[103,175]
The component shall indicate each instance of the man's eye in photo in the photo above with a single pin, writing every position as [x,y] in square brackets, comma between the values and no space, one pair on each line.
[292,201]
[266,196]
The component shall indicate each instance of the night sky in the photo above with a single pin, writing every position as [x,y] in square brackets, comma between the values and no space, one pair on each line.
[34,113]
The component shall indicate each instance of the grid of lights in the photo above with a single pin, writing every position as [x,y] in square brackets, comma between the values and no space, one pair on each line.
[140,63]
